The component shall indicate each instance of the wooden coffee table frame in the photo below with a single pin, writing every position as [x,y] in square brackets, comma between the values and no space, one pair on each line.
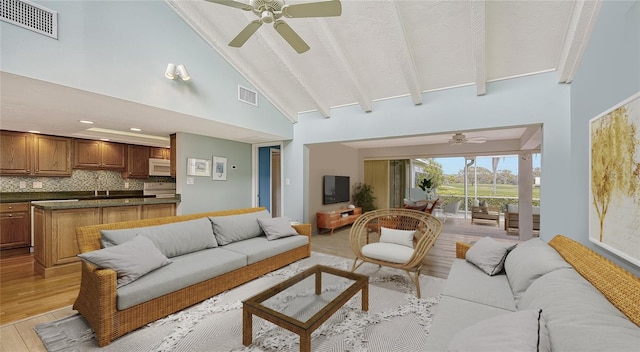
[253,305]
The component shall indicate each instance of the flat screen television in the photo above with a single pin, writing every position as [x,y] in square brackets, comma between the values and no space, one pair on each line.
[336,189]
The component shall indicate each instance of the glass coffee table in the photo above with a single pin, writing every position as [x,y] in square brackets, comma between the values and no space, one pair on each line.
[303,302]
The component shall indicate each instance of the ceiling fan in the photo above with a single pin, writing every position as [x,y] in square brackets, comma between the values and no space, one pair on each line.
[460,138]
[270,11]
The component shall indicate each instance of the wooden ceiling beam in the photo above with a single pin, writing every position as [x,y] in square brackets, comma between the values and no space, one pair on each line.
[583,18]
[407,62]
[478,28]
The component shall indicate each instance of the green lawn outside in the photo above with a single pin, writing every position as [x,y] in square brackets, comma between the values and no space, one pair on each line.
[505,194]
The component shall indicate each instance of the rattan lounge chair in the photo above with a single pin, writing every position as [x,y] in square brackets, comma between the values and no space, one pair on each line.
[427,229]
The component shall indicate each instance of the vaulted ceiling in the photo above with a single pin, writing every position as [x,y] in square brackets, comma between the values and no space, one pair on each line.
[378,49]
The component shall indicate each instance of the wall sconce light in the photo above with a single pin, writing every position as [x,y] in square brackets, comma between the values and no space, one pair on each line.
[180,71]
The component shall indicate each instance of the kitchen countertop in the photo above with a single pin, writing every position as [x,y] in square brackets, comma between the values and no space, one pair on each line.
[101,203]
[14,197]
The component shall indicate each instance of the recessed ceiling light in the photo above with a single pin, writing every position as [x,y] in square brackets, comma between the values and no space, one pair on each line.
[87,122]
[135,129]
[32,131]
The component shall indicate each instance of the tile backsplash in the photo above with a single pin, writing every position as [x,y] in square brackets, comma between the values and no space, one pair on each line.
[80,180]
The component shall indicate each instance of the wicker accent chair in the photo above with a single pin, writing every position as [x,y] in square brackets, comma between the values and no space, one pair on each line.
[427,229]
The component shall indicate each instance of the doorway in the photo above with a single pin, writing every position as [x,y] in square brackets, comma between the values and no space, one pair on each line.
[269,180]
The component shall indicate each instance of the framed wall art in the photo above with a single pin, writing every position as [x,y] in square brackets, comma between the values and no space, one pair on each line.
[614,179]
[219,168]
[198,167]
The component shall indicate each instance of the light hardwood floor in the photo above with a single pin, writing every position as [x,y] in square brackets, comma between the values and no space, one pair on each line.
[27,299]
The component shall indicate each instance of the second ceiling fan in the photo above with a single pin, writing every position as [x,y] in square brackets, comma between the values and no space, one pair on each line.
[270,11]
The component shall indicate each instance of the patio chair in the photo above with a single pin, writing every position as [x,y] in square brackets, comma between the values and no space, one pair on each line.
[406,236]
[451,209]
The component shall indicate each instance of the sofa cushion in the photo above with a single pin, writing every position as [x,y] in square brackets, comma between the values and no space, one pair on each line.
[401,237]
[454,314]
[518,331]
[276,228]
[129,260]
[260,248]
[578,316]
[233,228]
[389,252]
[528,261]
[489,255]
[171,239]
[186,270]
[468,282]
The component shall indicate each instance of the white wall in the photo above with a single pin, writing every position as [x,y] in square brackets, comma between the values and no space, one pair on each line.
[609,73]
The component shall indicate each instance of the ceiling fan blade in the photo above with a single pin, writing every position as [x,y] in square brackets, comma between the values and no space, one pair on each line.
[477,140]
[313,9]
[290,36]
[245,34]
[236,4]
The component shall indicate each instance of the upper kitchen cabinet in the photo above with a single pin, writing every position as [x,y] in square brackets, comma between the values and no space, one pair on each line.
[160,153]
[99,155]
[52,156]
[15,156]
[30,154]
[137,162]
[172,151]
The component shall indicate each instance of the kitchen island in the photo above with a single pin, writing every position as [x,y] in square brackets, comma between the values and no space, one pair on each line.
[55,222]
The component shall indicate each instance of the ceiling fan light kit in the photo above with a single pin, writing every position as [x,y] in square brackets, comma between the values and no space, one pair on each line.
[270,11]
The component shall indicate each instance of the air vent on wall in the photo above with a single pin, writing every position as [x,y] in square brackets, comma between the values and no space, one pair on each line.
[30,16]
[247,95]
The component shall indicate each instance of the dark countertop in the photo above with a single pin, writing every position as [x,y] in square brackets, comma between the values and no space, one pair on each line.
[101,203]
[13,197]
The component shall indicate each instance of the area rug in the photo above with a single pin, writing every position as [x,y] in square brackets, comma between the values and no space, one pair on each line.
[396,320]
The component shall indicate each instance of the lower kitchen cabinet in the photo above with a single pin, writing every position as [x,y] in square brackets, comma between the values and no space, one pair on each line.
[55,243]
[15,228]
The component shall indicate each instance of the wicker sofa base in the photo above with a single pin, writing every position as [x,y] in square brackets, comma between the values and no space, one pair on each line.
[97,298]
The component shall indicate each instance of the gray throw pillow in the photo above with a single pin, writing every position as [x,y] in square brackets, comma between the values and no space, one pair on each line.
[234,228]
[171,239]
[529,261]
[520,331]
[276,228]
[489,255]
[129,260]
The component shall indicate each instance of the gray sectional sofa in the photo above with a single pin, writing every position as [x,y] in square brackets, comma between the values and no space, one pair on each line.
[138,271]
[559,296]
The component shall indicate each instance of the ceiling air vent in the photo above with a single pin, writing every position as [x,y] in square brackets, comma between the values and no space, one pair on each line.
[247,95]
[30,16]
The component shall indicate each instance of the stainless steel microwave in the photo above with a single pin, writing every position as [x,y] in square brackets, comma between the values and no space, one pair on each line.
[159,167]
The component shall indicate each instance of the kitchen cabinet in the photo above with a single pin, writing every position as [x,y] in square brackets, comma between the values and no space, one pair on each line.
[137,162]
[55,244]
[52,156]
[172,151]
[15,228]
[160,153]
[28,154]
[15,153]
[118,214]
[150,211]
[99,155]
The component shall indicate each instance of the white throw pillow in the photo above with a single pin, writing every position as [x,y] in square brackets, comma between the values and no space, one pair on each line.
[129,260]
[489,255]
[401,237]
[520,331]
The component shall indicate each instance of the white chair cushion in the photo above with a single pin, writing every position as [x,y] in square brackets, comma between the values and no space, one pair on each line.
[389,252]
[401,237]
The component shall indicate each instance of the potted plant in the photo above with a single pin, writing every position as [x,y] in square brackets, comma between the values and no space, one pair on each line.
[363,196]
[426,185]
